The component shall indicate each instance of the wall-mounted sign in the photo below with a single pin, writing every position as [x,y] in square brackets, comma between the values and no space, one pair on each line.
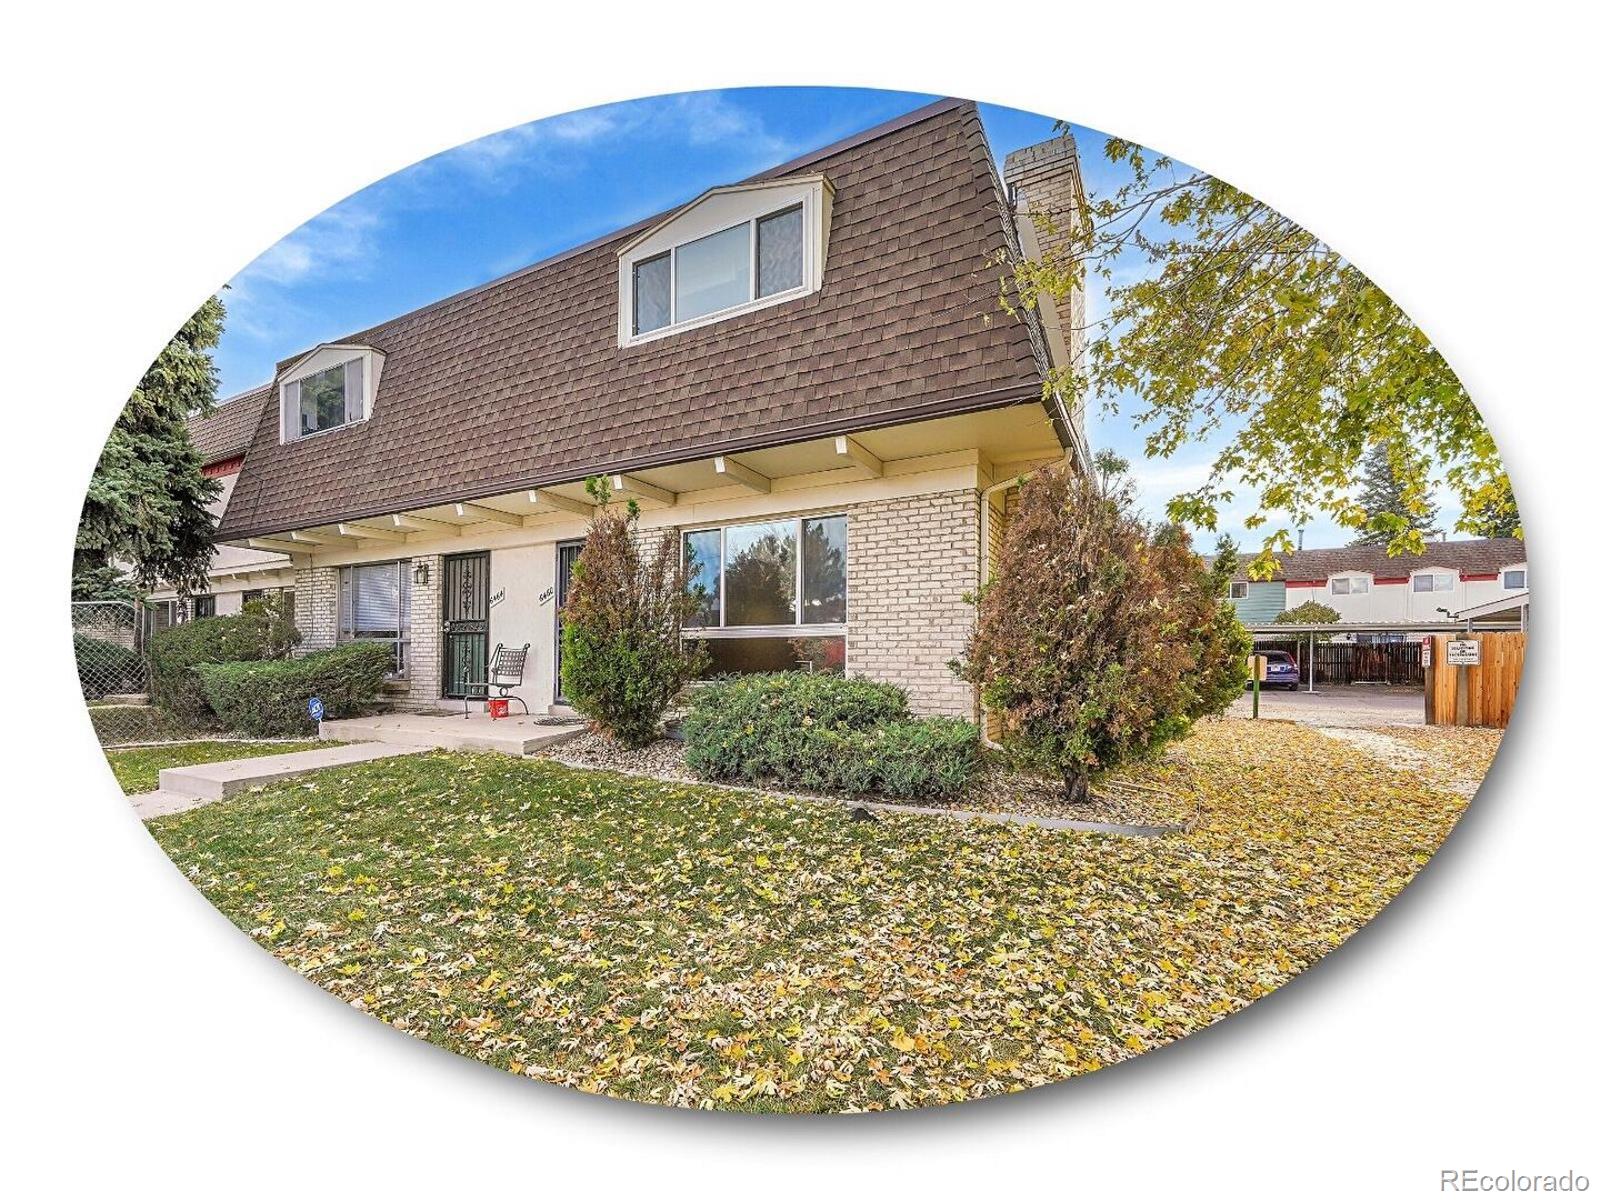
[547,595]
[1427,653]
[1462,653]
[497,597]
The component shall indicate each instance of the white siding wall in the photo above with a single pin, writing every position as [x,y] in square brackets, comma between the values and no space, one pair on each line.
[1399,602]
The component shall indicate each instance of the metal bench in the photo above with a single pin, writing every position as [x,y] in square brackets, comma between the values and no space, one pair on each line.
[505,673]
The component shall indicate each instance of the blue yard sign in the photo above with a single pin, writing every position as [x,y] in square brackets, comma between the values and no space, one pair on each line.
[314,707]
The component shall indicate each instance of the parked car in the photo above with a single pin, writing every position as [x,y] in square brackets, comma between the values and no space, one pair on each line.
[1282,670]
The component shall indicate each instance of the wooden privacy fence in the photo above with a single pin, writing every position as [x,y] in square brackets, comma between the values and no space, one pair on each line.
[1352,662]
[1480,695]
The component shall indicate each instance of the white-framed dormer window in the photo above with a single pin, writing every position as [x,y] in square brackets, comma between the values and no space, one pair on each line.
[732,251]
[1433,583]
[1349,585]
[1514,579]
[331,387]
[1238,590]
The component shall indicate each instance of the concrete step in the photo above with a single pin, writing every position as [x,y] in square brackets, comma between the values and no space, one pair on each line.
[213,781]
[516,735]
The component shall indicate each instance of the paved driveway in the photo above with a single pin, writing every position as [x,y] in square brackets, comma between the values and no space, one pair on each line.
[1340,705]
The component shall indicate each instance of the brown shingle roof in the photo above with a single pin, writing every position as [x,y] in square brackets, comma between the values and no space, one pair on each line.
[229,428]
[1480,556]
[520,382]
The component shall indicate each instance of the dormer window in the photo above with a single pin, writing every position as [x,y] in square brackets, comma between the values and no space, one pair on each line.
[330,398]
[731,251]
[327,389]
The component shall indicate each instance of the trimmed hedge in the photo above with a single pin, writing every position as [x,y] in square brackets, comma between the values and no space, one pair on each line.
[176,653]
[826,733]
[106,668]
[268,699]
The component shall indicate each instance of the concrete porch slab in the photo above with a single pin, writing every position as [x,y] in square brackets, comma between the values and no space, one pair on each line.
[213,781]
[515,735]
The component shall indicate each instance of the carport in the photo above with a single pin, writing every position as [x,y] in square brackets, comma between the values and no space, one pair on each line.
[1392,632]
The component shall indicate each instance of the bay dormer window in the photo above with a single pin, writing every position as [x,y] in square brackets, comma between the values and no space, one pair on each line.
[331,387]
[732,251]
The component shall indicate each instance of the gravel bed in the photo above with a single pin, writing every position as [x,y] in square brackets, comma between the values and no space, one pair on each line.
[1152,795]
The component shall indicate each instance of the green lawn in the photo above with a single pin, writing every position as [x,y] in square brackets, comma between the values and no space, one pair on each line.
[695,946]
[138,771]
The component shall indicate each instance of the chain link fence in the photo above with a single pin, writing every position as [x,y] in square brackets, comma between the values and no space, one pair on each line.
[109,641]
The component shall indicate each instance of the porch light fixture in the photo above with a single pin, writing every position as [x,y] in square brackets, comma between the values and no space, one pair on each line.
[419,571]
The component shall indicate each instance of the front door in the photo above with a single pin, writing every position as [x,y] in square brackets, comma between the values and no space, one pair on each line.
[466,622]
[566,555]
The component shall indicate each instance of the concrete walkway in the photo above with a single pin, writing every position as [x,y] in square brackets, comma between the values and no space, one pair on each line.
[515,735]
[183,788]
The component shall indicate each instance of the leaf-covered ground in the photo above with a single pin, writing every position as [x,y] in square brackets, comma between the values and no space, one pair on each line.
[139,770]
[677,943]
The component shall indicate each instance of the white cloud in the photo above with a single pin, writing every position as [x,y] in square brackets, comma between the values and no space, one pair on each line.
[702,118]
[342,236]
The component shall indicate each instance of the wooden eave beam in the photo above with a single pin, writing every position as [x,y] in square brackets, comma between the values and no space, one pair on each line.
[411,524]
[741,474]
[477,512]
[856,454]
[371,532]
[632,485]
[275,545]
[543,498]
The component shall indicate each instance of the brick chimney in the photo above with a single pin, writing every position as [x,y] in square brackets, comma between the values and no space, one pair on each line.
[1045,188]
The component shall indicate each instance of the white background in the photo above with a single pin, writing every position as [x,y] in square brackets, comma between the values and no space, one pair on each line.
[153,149]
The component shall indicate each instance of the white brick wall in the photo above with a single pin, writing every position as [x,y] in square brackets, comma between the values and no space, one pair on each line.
[316,607]
[911,560]
[424,663]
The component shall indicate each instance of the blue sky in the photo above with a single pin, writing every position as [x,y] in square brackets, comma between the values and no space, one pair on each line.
[496,204]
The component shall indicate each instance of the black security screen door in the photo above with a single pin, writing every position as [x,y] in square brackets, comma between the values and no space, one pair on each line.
[566,554]
[466,621]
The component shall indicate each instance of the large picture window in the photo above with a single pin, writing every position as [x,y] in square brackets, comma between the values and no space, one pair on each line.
[753,260]
[771,595]
[375,605]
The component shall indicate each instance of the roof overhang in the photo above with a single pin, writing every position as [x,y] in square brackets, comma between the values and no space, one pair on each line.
[1003,440]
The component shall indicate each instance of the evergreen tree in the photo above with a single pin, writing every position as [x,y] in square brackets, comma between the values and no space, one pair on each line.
[146,506]
[1499,518]
[1392,504]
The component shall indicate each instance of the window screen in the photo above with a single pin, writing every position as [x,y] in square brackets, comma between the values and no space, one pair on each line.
[780,263]
[652,294]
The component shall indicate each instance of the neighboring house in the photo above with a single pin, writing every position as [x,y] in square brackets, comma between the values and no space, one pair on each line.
[804,379]
[236,574]
[1364,584]
[1257,601]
